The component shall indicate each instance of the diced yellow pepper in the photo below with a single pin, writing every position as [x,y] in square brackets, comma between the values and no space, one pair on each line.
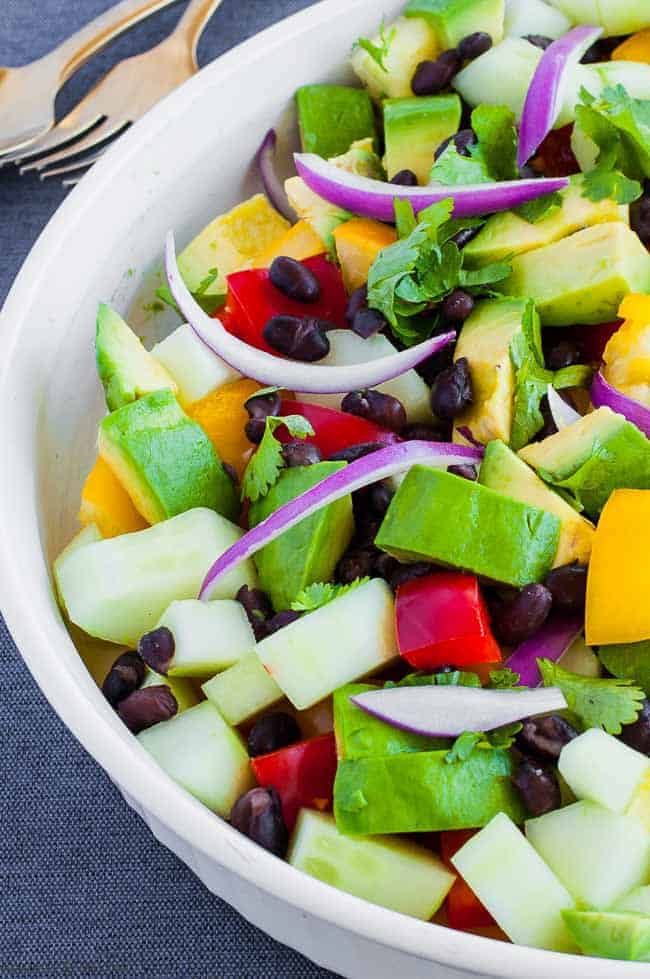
[223,417]
[300,242]
[105,502]
[618,582]
[627,355]
[635,48]
[358,242]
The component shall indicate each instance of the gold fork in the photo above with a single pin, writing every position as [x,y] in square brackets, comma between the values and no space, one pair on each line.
[122,96]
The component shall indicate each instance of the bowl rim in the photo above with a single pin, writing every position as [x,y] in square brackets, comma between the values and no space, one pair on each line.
[95,729]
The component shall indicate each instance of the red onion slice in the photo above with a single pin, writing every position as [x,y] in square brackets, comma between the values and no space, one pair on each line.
[290,374]
[551,642]
[603,395]
[374,199]
[561,413]
[369,469]
[273,186]
[547,88]
[446,712]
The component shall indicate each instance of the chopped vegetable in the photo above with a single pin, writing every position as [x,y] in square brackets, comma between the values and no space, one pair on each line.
[604,395]
[273,186]
[550,642]
[302,774]
[492,157]
[334,431]
[320,593]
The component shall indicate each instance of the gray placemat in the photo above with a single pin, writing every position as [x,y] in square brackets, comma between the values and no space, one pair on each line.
[85,890]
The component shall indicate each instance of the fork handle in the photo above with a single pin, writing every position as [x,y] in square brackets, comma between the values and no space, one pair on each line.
[194,21]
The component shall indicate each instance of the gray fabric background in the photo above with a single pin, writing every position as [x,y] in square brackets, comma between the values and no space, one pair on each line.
[84,889]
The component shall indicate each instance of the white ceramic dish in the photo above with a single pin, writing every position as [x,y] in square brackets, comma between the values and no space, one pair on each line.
[185,162]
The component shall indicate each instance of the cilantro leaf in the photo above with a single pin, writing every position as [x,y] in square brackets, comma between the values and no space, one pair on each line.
[465,743]
[455,678]
[378,52]
[494,126]
[602,183]
[454,169]
[405,220]
[603,703]
[463,746]
[541,207]
[617,128]
[208,303]
[264,467]
[321,593]
[531,380]
[504,679]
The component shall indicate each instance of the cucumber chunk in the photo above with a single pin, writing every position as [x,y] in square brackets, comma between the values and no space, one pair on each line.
[602,769]
[243,691]
[208,636]
[196,370]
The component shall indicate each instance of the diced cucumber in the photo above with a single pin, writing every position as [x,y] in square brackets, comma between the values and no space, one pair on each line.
[521,893]
[598,855]
[524,17]
[396,875]
[89,534]
[243,691]
[602,769]
[342,641]
[408,42]
[196,370]
[616,16]
[208,636]
[637,900]
[611,934]
[580,658]
[200,752]
[634,76]
[184,690]
[117,589]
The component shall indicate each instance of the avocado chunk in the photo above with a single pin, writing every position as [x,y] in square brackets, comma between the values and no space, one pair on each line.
[331,117]
[125,368]
[502,470]
[360,735]
[165,460]
[506,234]
[422,792]
[415,128]
[485,342]
[611,934]
[591,458]
[310,551]
[452,20]
[584,277]
[405,43]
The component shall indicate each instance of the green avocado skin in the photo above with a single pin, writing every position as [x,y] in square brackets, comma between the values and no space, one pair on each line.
[436,516]
[452,20]
[423,793]
[169,456]
[611,934]
[332,117]
[311,550]
[360,735]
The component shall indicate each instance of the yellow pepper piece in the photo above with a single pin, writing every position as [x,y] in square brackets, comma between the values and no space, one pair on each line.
[222,415]
[358,242]
[105,502]
[635,48]
[618,582]
[627,355]
[300,242]
[636,306]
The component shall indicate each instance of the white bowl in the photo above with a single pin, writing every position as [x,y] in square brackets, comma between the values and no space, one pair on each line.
[188,160]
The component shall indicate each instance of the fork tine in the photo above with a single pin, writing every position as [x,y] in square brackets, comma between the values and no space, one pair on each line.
[105,131]
[87,161]
[64,132]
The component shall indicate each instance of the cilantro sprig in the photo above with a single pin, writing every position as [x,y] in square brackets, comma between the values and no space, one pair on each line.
[492,157]
[208,303]
[619,128]
[264,467]
[468,741]
[322,593]
[604,703]
[378,52]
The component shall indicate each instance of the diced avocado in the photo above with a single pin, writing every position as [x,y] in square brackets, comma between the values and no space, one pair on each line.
[584,277]
[183,689]
[629,661]
[507,234]
[592,457]
[361,158]
[421,792]
[196,370]
[436,516]
[611,934]
[229,242]
[407,42]
[310,551]
[243,691]
[415,128]
[637,900]
[208,636]
[502,470]
[602,769]
[395,874]
[331,117]
[165,460]
[526,17]
[452,20]
[199,751]
[125,368]
[360,735]
[485,341]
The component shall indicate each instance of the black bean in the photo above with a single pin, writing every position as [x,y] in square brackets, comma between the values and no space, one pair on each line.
[433,366]
[421,432]
[366,529]
[258,608]
[457,306]
[280,620]
[405,178]
[147,706]
[382,409]
[259,407]
[568,586]
[355,564]
[452,391]
[300,453]
[600,50]
[272,732]
[465,235]
[549,427]
[358,299]
[407,572]
[367,322]
[299,337]
[462,140]
[564,354]
[640,217]
[379,497]
[258,815]
[157,649]
[637,735]
[539,40]
[294,279]
[353,452]
[545,737]
[384,566]
[474,45]
[522,616]
[538,786]
[432,77]
[125,675]
[465,472]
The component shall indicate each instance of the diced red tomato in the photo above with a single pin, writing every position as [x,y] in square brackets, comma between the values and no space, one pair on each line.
[555,157]
[464,910]
[253,300]
[302,774]
[334,430]
[442,620]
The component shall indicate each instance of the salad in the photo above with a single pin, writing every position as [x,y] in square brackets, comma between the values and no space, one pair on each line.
[366,540]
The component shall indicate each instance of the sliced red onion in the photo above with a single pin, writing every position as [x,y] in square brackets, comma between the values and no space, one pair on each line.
[369,469]
[374,199]
[446,712]
[603,395]
[291,374]
[274,187]
[547,88]
[550,642]
[561,413]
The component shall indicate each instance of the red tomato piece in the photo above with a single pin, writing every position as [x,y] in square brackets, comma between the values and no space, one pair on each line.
[442,620]
[302,774]
[555,157]
[334,430]
[464,910]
